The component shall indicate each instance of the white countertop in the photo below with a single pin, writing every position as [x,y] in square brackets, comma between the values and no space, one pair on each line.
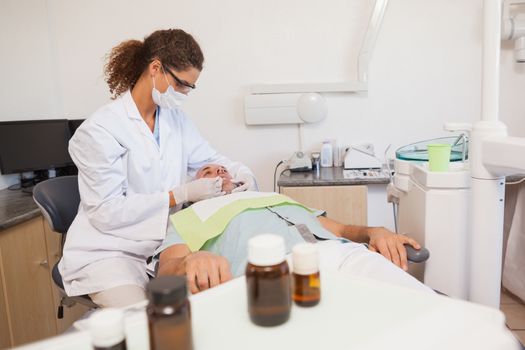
[354,313]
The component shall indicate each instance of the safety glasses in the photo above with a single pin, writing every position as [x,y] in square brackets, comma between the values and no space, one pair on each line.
[181,82]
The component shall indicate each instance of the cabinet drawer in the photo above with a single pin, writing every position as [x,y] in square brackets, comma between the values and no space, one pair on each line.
[346,204]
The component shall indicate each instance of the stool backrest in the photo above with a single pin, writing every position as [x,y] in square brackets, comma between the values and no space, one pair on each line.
[58,199]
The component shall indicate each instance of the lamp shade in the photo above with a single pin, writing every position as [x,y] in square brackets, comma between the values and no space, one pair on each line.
[311,107]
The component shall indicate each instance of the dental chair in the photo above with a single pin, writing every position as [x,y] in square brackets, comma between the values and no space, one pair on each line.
[58,199]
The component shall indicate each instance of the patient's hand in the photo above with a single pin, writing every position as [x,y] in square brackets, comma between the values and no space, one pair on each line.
[391,245]
[205,270]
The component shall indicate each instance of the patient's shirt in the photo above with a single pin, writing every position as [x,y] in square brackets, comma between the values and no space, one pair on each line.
[280,220]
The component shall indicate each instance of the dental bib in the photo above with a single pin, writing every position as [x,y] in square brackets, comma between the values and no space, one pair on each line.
[207,219]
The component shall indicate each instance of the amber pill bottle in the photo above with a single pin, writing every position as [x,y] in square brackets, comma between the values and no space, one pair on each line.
[268,281]
[306,277]
[169,314]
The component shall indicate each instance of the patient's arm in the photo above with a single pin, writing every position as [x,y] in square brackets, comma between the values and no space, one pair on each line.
[170,261]
[352,232]
[203,269]
[379,239]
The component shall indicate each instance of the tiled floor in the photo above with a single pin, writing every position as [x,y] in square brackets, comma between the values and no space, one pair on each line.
[514,311]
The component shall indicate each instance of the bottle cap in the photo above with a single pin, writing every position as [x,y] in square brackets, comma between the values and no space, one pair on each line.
[266,250]
[107,327]
[167,290]
[305,258]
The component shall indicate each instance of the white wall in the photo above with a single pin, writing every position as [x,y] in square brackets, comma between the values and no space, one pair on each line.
[28,89]
[425,69]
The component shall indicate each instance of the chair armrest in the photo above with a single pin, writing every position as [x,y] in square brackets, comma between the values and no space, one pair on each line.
[417,255]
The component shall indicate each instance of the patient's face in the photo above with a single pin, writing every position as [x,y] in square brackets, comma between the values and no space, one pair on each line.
[214,170]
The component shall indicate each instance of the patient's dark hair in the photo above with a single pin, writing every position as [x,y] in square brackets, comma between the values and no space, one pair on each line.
[126,62]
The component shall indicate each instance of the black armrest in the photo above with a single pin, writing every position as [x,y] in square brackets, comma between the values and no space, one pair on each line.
[417,255]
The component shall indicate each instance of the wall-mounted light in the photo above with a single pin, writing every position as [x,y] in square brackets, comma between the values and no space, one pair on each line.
[271,109]
[298,109]
[311,107]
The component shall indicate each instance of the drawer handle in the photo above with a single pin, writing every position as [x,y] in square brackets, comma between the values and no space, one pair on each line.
[44,263]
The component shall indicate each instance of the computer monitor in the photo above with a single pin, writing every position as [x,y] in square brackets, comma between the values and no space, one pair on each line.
[34,145]
[74,124]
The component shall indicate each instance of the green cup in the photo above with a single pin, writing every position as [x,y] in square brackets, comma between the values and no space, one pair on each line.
[438,157]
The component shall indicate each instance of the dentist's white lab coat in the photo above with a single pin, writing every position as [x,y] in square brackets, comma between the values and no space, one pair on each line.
[124,179]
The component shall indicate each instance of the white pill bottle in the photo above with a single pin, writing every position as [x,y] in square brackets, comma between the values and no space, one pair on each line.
[326,155]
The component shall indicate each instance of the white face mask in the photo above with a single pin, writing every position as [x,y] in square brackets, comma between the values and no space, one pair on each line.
[169,99]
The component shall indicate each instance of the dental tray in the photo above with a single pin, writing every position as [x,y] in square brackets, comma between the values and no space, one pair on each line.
[418,151]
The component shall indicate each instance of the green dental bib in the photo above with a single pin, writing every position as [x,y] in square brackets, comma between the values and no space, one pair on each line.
[196,232]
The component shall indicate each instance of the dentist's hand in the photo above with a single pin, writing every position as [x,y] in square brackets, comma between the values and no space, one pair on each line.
[197,190]
[391,245]
[247,183]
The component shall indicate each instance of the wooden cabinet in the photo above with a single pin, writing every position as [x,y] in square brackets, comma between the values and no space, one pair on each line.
[346,204]
[27,287]
[28,297]
[5,333]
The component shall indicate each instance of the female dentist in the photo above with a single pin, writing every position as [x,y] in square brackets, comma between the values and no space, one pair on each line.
[133,157]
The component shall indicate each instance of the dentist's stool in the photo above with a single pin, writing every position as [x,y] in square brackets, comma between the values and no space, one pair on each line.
[58,199]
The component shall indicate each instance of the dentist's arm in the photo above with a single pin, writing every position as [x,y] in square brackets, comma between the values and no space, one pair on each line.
[104,190]
[103,185]
[202,269]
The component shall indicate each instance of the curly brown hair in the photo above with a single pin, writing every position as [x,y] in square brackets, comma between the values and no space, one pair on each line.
[126,62]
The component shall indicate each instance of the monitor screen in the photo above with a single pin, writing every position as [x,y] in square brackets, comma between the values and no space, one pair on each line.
[74,124]
[34,145]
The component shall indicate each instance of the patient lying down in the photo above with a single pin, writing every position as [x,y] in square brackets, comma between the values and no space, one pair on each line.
[340,246]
